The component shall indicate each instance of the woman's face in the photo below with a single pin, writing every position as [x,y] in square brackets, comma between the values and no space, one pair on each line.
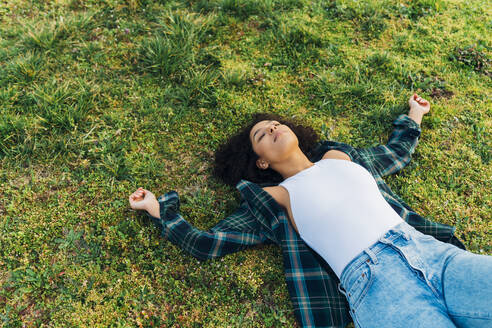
[272,142]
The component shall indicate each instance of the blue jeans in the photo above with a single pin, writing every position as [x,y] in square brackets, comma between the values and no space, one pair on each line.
[409,279]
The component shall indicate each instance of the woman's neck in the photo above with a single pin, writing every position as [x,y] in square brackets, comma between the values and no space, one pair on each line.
[292,165]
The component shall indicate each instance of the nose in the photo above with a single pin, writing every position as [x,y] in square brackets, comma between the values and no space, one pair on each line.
[273,127]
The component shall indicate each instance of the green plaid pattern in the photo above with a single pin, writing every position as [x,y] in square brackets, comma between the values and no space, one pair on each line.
[259,219]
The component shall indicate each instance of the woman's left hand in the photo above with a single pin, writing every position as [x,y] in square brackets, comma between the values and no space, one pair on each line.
[417,103]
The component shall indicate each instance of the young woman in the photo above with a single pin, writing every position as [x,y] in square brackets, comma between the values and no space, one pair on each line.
[391,274]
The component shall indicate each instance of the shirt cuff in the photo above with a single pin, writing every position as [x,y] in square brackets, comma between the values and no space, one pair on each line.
[168,206]
[159,222]
[404,119]
[161,212]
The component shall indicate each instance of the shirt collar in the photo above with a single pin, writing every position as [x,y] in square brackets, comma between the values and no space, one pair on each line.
[258,198]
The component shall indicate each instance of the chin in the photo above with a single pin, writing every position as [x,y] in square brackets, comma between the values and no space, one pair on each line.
[287,147]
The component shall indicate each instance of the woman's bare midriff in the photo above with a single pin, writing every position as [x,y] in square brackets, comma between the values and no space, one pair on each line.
[281,195]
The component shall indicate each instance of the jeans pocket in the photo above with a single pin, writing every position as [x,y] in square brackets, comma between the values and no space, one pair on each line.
[359,284]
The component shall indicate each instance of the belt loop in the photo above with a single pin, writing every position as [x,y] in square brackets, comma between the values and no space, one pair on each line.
[406,230]
[406,235]
[340,289]
[371,255]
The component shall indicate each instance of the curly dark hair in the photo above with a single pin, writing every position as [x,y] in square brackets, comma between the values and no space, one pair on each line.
[236,159]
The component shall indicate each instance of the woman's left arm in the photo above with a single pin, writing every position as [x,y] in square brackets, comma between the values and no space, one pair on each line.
[390,158]
[396,153]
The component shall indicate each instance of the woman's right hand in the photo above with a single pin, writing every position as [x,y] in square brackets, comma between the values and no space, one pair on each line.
[142,199]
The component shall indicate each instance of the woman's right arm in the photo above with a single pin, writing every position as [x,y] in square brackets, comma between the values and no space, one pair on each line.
[235,233]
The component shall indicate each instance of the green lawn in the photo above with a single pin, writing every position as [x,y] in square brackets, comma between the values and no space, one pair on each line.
[98,98]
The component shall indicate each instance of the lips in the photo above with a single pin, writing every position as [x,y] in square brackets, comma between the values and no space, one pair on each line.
[276,135]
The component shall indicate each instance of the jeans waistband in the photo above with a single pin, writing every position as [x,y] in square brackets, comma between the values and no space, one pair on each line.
[369,254]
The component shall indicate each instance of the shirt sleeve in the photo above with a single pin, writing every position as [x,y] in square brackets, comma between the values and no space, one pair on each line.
[218,241]
[396,153]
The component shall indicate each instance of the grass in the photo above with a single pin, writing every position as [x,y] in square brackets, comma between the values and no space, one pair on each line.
[98,98]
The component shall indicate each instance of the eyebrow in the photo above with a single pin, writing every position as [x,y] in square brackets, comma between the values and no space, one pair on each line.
[259,130]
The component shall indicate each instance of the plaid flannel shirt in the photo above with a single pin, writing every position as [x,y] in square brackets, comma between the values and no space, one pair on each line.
[259,219]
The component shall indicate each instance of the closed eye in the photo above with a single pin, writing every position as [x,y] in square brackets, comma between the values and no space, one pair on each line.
[264,133]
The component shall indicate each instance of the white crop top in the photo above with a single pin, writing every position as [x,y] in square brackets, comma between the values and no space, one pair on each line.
[338,210]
